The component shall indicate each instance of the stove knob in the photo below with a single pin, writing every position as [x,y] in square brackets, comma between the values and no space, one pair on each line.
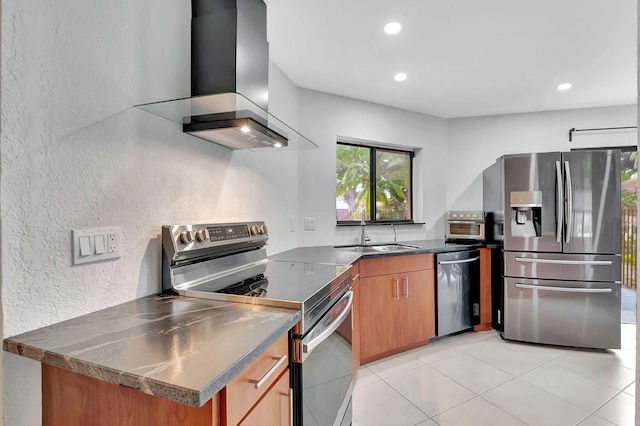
[454,215]
[255,230]
[186,237]
[468,216]
[202,235]
[475,215]
[263,229]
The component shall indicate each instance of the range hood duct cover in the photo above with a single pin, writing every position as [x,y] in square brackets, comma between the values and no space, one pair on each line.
[229,49]
[230,81]
[230,53]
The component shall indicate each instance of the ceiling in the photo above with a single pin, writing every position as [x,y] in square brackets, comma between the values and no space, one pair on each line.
[462,57]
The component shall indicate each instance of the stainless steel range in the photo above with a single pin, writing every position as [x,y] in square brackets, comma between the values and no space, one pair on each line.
[228,262]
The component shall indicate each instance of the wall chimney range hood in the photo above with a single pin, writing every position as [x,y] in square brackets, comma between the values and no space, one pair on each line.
[230,80]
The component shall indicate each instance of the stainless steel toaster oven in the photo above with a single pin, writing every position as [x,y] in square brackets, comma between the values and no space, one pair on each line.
[465,226]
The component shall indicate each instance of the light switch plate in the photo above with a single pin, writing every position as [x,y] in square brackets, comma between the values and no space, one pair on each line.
[109,244]
[309,223]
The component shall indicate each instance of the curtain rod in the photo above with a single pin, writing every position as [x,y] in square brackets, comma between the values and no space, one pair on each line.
[571,131]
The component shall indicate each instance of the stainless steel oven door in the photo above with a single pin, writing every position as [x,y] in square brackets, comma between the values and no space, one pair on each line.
[326,378]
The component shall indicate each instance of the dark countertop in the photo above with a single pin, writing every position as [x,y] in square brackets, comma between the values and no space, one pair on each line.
[343,255]
[178,348]
[181,348]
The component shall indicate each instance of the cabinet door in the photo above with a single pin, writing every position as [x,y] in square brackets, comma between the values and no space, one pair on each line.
[380,312]
[355,317]
[417,291]
[71,399]
[273,408]
[241,393]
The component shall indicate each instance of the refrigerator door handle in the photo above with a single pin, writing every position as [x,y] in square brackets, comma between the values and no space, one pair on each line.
[559,202]
[569,206]
[564,289]
[566,262]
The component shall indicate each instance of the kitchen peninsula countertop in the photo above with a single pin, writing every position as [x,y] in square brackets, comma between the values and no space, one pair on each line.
[179,348]
[346,255]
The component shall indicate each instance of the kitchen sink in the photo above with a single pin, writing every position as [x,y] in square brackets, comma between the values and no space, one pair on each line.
[379,248]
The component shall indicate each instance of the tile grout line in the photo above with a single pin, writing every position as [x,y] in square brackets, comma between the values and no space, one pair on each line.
[406,399]
[593,413]
[479,343]
[517,376]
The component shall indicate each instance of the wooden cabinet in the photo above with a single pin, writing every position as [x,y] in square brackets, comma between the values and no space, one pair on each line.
[250,385]
[274,408]
[418,316]
[72,399]
[355,317]
[485,290]
[396,304]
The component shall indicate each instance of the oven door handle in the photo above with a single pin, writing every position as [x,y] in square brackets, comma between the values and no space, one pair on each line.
[307,347]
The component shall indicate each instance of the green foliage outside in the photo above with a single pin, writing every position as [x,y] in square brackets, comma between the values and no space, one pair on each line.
[392,186]
[352,174]
[353,171]
[629,200]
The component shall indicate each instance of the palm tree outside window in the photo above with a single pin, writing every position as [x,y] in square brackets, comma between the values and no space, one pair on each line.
[376,179]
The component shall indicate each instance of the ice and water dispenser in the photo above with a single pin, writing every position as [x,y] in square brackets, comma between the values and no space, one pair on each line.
[526,213]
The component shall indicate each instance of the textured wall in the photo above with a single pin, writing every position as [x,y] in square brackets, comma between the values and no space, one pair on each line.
[75,153]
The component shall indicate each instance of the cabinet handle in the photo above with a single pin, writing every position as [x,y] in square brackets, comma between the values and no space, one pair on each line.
[290,407]
[395,288]
[406,286]
[268,374]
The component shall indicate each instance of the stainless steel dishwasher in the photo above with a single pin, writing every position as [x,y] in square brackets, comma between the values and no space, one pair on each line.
[457,291]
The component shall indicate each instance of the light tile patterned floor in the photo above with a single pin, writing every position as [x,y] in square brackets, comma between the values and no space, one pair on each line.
[480,379]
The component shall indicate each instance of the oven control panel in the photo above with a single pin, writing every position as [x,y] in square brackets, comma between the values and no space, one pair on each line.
[220,233]
[186,238]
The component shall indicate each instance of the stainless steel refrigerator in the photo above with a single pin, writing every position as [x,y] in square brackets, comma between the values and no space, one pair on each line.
[557,218]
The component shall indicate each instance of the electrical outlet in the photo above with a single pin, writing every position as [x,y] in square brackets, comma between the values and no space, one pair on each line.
[309,223]
[88,244]
[112,242]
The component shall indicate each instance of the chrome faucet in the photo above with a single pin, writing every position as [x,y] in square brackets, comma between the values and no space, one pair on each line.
[393,228]
[364,238]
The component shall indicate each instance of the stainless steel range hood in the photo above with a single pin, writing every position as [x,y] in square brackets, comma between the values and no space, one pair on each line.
[229,80]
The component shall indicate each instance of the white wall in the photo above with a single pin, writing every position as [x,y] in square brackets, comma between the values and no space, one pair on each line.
[75,153]
[325,118]
[475,143]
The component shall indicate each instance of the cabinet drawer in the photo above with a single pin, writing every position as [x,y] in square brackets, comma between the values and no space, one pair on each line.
[241,393]
[275,408]
[355,271]
[395,264]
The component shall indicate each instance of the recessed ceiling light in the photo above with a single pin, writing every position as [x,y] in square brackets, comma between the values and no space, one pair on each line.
[400,76]
[564,86]
[245,129]
[392,28]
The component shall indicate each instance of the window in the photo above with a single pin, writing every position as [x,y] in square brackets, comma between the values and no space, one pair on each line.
[375,179]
